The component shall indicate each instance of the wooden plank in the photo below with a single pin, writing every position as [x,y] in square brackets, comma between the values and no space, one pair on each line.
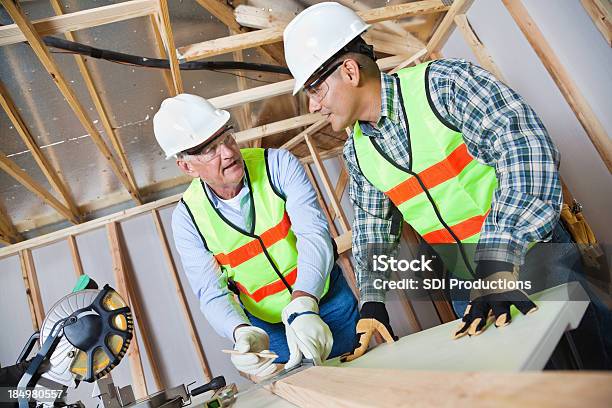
[11,34]
[224,13]
[310,130]
[327,184]
[100,109]
[413,59]
[28,182]
[28,292]
[446,27]
[600,12]
[587,118]
[367,387]
[257,17]
[168,39]
[32,289]
[479,50]
[178,287]
[47,61]
[276,127]
[123,288]
[161,49]
[341,184]
[15,117]
[7,228]
[272,35]
[335,152]
[343,259]
[76,257]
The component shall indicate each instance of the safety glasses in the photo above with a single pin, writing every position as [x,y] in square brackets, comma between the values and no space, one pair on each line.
[209,151]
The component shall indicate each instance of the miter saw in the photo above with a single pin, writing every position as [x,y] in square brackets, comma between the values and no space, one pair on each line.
[82,338]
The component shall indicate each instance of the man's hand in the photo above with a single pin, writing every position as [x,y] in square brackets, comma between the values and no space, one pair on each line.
[493,305]
[373,318]
[307,334]
[254,339]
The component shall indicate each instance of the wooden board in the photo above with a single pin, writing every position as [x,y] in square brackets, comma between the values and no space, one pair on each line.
[358,387]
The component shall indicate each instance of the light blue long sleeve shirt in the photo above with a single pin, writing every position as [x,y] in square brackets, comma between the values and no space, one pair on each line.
[314,246]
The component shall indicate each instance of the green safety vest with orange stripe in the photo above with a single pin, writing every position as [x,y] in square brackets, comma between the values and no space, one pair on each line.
[444,193]
[262,263]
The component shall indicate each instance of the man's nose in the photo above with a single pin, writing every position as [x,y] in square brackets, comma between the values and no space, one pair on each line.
[225,151]
[313,105]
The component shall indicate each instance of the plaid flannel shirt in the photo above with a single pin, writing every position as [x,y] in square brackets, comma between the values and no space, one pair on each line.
[500,130]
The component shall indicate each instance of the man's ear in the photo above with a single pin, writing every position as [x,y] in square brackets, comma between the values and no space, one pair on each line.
[350,72]
[186,168]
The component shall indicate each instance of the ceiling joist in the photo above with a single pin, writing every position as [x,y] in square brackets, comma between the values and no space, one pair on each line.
[272,35]
[54,180]
[50,65]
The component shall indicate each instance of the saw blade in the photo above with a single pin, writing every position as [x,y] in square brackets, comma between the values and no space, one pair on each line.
[69,360]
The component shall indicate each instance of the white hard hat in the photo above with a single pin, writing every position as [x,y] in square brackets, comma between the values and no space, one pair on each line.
[185,121]
[315,35]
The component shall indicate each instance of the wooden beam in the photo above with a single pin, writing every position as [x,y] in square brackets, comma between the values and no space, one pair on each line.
[587,118]
[161,49]
[341,184]
[76,257]
[310,130]
[15,117]
[178,287]
[600,12]
[335,203]
[100,108]
[168,39]
[446,27]
[328,154]
[123,288]
[479,50]
[7,228]
[28,182]
[276,127]
[50,65]
[260,18]
[272,35]
[11,33]
[224,13]
[30,280]
[413,59]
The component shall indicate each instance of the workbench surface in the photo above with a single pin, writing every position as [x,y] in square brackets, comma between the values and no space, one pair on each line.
[526,344]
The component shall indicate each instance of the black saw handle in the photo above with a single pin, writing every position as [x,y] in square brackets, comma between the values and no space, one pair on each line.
[214,384]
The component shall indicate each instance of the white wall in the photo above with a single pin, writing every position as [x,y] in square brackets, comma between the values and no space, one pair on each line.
[588,59]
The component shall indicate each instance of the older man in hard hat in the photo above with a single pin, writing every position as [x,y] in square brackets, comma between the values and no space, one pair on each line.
[249,223]
[446,147]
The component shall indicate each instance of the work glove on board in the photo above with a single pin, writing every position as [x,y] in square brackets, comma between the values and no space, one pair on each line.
[308,336]
[373,317]
[493,305]
[252,339]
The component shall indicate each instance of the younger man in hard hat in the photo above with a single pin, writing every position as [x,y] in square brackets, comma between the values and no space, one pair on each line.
[249,223]
[454,152]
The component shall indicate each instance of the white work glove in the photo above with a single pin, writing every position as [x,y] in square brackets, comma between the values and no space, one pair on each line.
[307,334]
[254,339]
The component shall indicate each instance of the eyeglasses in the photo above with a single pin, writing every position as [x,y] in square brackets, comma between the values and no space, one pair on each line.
[317,89]
[210,151]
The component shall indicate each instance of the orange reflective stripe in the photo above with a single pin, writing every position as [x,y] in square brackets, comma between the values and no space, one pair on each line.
[253,248]
[462,230]
[271,288]
[436,174]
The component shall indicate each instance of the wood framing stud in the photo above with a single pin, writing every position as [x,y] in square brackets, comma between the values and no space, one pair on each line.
[275,34]
[28,182]
[76,257]
[120,272]
[168,39]
[180,293]
[472,40]
[601,14]
[100,108]
[50,65]
[32,289]
[11,34]
[445,29]
[587,118]
[15,117]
